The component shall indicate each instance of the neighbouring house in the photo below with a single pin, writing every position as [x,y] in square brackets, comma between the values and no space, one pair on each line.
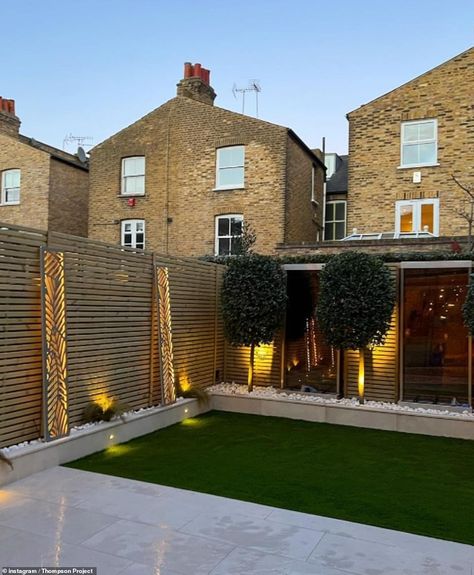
[41,186]
[335,214]
[405,147]
[184,179]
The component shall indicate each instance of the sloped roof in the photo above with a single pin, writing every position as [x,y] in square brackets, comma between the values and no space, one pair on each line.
[337,183]
[230,113]
[446,63]
[55,153]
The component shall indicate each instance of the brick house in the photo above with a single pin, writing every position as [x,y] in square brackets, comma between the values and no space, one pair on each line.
[335,215]
[404,148]
[182,179]
[41,186]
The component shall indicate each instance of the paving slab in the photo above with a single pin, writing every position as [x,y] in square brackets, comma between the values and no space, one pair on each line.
[65,517]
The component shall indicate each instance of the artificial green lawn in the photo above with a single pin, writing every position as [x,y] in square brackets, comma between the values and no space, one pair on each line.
[412,483]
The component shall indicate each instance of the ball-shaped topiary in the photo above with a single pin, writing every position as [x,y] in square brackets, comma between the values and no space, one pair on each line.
[253,302]
[356,300]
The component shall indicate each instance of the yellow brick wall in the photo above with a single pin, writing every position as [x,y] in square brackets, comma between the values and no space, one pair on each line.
[179,140]
[303,218]
[376,182]
[68,199]
[34,186]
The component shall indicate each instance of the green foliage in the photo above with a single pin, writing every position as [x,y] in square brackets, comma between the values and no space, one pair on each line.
[253,299]
[356,300]
[322,258]
[193,392]
[95,412]
[468,307]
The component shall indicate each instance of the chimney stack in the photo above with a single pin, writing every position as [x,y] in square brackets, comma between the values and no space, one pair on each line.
[9,123]
[195,84]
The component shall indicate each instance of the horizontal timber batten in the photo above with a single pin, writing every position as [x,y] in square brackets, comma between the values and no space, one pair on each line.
[109,293]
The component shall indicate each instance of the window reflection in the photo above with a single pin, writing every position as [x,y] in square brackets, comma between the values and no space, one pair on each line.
[435,340]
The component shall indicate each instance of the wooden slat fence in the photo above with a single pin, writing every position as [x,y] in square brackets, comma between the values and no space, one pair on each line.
[20,335]
[111,335]
[381,365]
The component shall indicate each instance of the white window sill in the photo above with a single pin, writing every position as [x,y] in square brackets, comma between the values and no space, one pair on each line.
[10,204]
[228,188]
[414,166]
[131,195]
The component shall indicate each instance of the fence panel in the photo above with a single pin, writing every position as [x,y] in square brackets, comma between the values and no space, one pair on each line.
[109,323]
[111,326]
[20,334]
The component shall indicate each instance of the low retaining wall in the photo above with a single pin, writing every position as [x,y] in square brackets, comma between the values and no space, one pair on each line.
[38,456]
[373,418]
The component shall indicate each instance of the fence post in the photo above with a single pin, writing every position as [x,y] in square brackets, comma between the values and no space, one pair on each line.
[54,349]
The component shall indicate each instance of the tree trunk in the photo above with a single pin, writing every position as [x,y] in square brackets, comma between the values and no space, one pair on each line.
[361,376]
[251,362]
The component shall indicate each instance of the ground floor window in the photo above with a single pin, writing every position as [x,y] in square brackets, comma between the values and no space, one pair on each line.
[435,342]
[415,216]
[228,234]
[133,234]
[335,220]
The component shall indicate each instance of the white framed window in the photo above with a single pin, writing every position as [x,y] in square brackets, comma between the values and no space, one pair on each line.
[133,176]
[10,187]
[419,143]
[228,233]
[335,220]
[415,216]
[133,234]
[230,172]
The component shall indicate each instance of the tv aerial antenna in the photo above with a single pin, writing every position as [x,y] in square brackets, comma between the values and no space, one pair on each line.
[81,141]
[253,86]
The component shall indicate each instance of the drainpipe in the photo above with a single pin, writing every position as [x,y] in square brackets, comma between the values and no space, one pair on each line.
[324,190]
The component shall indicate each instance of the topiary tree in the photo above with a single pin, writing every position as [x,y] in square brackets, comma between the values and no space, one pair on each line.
[356,301]
[253,302]
[468,307]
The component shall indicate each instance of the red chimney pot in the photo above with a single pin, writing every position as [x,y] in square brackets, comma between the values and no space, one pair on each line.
[197,70]
[188,69]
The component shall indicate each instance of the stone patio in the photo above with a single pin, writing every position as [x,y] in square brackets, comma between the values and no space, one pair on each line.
[65,517]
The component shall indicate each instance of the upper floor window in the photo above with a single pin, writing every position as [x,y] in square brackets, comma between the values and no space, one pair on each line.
[313,180]
[133,234]
[228,233]
[415,216]
[11,187]
[230,167]
[419,143]
[335,220]
[133,176]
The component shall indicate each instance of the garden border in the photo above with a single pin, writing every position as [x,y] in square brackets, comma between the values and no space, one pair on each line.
[37,456]
[355,416]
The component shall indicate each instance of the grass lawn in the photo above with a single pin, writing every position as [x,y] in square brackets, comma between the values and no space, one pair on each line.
[412,483]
